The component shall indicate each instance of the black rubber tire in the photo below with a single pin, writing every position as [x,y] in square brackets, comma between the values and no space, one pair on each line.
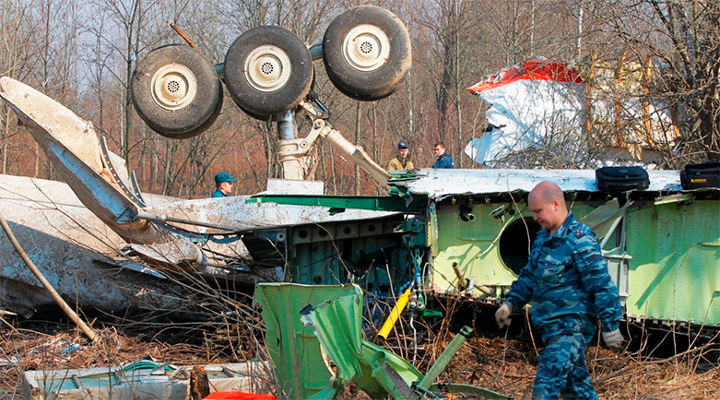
[175,66]
[260,97]
[382,78]
[207,124]
[268,117]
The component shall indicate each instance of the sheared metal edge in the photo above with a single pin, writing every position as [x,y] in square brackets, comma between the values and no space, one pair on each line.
[299,362]
[338,326]
[235,212]
[441,182]
[73,146]
[74,249]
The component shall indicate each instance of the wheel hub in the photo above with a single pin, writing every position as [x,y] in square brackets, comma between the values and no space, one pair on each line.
[267,68]
[366,48]
[173,87]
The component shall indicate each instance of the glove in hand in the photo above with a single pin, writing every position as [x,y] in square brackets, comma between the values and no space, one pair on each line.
[502,315]
[613,339]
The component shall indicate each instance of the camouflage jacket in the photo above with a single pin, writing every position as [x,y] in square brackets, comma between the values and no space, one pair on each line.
[567,281]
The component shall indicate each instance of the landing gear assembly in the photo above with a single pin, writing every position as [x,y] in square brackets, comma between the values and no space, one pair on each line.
[269,73]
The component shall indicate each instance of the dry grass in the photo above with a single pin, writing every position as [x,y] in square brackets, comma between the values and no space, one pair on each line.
[501,364]
[23,350]
[508,366]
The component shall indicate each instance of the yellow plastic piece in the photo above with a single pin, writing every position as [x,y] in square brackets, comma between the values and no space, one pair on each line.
[394,315]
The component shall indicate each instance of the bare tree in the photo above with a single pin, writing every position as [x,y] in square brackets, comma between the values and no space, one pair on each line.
[15,53]
[123,38]
[39,40]
[450,33]
[683,37]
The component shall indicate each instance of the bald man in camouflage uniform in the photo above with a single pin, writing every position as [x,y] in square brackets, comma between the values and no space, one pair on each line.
[568,283]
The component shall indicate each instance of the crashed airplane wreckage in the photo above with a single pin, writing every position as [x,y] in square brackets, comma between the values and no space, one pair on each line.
[268,72]
[661,244]
[446,232]
[78,253]
[541,103]
[156,236]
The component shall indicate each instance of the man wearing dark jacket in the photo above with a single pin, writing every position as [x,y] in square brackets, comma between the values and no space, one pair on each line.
[223,184]
[443,159]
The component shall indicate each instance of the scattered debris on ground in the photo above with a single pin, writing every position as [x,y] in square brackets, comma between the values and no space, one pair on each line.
[497,363]
[24,350]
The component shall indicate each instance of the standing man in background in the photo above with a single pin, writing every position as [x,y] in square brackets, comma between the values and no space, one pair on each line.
[443,159]
[402,161]
[223,184]
[568,283]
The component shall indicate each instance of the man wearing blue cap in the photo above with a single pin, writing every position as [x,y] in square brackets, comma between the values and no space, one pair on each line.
[402,161]
[224,184]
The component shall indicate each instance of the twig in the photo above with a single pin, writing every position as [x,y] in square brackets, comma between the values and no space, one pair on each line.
[679,355]
[610,375]
[94,337]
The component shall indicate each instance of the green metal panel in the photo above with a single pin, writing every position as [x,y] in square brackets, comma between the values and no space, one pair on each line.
[675,270]
[476,245]
[472,245]
[293,348]
[338,327]
[379,203]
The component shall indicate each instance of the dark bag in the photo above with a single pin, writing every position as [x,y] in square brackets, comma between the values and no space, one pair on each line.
[706,174]
[621,179]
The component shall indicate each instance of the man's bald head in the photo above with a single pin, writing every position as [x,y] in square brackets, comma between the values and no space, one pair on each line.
[547,203]
[547,192]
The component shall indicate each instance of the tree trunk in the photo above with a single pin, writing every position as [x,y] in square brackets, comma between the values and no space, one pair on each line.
[358,127]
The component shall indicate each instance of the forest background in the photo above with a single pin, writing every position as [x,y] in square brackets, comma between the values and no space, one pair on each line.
[83,53]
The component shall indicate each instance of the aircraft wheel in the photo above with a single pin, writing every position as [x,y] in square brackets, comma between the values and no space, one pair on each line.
[176,91]
[261,117]
[268,70]
[366,51]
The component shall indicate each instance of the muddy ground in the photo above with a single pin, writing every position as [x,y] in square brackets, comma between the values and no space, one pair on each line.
[501,363]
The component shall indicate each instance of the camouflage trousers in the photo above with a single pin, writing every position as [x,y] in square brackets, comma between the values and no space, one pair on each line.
[562,369]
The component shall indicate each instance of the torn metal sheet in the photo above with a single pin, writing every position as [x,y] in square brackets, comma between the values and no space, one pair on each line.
[236,213]
[301,367]
[333,314]
[76,252]
[74,147]
[436,183]
[540,102]
[142,380]
[379,372]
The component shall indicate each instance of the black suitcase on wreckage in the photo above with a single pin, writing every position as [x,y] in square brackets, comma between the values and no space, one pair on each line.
[706,174]
[621,179]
